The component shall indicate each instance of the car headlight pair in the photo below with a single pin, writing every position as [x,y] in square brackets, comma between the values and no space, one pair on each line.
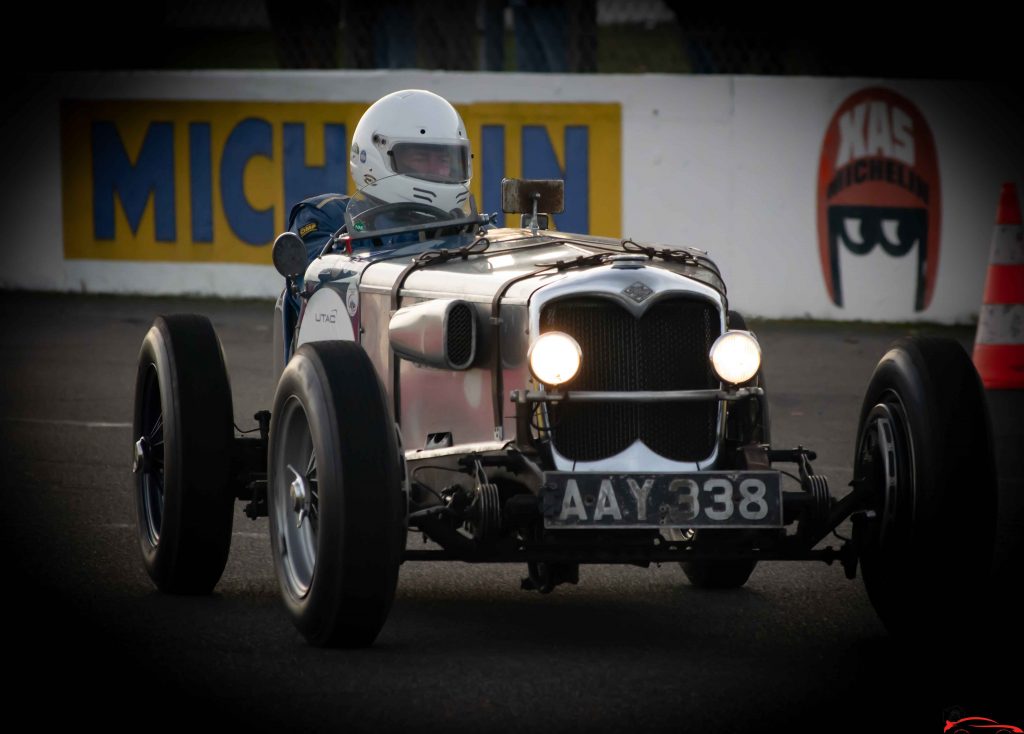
[555,357]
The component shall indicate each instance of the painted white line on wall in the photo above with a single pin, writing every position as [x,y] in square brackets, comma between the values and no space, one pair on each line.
[129,526]
[56,422]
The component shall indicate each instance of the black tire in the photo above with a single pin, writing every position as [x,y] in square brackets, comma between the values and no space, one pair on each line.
[183,431]
[750,420]
[337,566]
[924,446]
[724,574]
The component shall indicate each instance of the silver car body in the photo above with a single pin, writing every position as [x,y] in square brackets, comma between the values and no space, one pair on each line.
[350,296]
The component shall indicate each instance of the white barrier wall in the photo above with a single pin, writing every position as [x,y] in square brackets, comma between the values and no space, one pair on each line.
[728,164]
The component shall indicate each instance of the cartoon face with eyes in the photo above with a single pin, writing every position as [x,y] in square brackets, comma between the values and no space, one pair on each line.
[878,190]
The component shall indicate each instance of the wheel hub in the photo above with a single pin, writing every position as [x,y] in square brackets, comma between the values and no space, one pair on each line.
[885,454]
[298,491]
[885,457]
[140,457]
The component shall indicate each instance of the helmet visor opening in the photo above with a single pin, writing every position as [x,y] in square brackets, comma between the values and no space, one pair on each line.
[432,161]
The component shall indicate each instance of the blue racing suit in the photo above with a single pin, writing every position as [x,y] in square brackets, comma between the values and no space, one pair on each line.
[314,220]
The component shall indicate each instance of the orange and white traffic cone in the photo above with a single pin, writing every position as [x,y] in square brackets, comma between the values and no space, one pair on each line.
[999,342]
[999,357]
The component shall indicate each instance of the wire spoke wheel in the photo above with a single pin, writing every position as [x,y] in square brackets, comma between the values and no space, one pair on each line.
[924,460]
[314,490]
[183,432]
[149,448]
[885,459]
[335,498]
[297,536]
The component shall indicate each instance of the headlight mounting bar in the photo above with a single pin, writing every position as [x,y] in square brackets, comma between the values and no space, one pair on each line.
[636,396]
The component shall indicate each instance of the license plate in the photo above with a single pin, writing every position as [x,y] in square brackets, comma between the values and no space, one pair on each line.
[749,499]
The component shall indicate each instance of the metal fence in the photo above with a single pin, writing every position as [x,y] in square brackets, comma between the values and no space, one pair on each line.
[602,36]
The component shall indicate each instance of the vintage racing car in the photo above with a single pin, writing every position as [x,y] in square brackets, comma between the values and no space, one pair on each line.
[531,396]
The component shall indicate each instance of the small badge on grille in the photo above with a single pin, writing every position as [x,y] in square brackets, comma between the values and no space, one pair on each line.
[638,292]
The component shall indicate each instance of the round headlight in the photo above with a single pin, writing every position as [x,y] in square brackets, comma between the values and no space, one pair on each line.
[555,358]
[736,356]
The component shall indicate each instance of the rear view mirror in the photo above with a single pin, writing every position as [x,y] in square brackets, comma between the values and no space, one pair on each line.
[289,255]
[532,195]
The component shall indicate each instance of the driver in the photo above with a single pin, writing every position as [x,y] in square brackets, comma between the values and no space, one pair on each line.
[408,146]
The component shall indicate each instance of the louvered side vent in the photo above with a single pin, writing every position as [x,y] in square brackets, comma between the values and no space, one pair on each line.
[666,349]
[460,341]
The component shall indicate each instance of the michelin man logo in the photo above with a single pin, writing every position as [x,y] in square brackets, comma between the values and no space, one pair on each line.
[878,188]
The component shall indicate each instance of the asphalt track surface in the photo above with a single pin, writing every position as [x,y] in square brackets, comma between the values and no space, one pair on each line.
[90,642]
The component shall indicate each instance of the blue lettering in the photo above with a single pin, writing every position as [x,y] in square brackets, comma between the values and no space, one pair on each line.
[539,161]
[113,174]
[201,173]
[302,181]
[493,168]
[251,137]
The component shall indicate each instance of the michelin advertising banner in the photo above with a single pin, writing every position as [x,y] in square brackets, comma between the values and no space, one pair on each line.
[818,198]
[213,182]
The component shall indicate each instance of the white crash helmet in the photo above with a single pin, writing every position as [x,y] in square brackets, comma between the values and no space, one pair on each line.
[412,146]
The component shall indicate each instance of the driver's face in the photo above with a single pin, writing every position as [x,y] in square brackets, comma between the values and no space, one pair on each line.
[431,161]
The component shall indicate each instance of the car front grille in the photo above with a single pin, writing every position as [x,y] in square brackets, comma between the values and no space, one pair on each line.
[666,349]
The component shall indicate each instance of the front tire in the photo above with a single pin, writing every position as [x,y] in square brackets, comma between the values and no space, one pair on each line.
[334,495]
[183,429]
[718,574]
[924,448]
